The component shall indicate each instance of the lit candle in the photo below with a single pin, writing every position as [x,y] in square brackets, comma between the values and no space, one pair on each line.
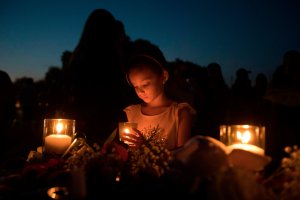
[58,135]
[57,144]
[247,147]
[125,128]
[246,137]
[126,132]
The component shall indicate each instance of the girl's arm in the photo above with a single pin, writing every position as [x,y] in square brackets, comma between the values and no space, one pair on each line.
[185,126]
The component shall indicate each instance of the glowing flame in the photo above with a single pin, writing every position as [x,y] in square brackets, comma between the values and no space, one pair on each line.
[118,178]
[59,127]
[126,130]
[244,137]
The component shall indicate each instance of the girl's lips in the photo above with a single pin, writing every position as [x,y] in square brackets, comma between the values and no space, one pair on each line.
[143,97]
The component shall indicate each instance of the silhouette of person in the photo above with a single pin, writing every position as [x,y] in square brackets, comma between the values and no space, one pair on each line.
[97,87]
[241,100]
[284,95]
[7,111]
[285,82]
[287,75]
[260,86]
[262,110]
[259,91]
[27,95]
[217,99]
[65,59]
[7,103]
[183,82]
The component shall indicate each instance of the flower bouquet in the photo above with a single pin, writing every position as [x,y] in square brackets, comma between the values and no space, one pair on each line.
[285,181]
[114,167]
[199,168]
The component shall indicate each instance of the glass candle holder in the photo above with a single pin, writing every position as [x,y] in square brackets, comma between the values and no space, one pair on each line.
[246,137]
[58,135]
[124,129]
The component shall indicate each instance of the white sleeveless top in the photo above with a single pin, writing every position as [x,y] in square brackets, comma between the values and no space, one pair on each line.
[165,122]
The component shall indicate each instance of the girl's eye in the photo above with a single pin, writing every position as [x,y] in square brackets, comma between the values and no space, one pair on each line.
[142,86]
[145,85]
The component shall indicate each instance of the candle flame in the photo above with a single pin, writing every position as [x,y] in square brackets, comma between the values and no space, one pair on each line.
[59,127]
[244,137]
[126,130]
[118,178]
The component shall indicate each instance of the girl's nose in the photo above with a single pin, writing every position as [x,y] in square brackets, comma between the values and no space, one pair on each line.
[139,90]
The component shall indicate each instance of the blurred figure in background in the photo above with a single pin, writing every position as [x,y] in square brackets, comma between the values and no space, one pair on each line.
[7,104]
[96,86]
[284,95]
[7,112]
[241,99]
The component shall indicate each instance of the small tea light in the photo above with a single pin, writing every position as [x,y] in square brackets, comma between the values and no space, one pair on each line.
[246,137]
[125,128]
[58,135]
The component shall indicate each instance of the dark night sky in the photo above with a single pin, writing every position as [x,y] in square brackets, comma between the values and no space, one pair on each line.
[250,34]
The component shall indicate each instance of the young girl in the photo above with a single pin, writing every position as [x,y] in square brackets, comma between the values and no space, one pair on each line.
[171,121]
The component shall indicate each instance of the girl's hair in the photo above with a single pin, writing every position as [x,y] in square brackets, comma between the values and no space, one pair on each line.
[143,61]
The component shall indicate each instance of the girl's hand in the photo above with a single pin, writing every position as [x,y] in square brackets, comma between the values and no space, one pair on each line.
[135,139]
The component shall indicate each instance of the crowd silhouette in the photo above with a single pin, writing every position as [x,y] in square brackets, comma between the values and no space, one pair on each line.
[96,88]
[91,88]
[7,104]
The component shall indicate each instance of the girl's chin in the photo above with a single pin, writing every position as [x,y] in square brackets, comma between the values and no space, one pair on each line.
[146,100]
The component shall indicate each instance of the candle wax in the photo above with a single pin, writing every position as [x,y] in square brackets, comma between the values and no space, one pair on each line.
[57,144]
[248,147]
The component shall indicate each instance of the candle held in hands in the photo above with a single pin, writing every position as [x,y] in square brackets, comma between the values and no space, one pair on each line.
[125,128]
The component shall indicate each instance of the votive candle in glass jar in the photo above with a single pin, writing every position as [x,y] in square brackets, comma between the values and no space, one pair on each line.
[246,137]
[58,135]
[126,128]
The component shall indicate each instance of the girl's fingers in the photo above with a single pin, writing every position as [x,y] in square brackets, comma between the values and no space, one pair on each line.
[134,139]
[138,132]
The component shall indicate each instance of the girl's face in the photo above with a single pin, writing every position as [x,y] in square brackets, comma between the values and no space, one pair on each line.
[147,84]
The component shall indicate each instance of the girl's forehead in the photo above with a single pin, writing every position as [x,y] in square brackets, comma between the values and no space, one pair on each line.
[142,75]
[142,71]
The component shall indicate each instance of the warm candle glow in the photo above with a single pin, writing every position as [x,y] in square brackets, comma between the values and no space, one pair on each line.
[125,128]
[246,137]
[58,135]
[59,127]
[247,147]
[57,144]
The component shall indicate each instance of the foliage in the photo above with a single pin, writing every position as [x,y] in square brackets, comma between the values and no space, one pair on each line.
[107,164]
[118,169]
[151,157]
[285,181]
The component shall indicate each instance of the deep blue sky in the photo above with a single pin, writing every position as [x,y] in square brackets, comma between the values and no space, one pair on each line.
[250,34]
